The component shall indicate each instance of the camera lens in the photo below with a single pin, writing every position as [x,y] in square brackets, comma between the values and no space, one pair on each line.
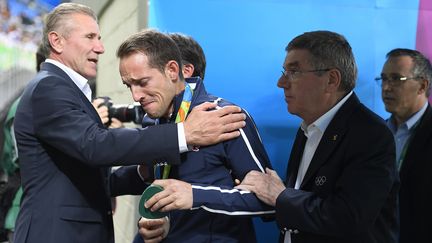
[127,113]
[124,113]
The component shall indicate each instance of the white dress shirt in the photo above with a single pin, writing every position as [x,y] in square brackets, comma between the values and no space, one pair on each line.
[80,81]
[314,133]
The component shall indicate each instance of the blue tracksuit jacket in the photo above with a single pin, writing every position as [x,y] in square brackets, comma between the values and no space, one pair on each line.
[220,213]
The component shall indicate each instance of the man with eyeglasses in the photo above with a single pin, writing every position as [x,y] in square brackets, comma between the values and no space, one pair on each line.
[341,181]
[405,85]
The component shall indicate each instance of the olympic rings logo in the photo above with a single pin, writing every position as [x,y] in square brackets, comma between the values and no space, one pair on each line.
[320,180]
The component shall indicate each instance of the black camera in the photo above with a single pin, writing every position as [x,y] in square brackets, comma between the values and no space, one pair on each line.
[124,113]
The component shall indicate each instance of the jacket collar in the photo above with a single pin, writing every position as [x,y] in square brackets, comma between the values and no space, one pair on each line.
[332,136]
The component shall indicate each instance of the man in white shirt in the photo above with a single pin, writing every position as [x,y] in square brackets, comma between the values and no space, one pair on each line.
[341,181]
[64,150]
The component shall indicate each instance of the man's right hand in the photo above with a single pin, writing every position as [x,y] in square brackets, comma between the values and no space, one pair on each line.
[153,230]
[203,127]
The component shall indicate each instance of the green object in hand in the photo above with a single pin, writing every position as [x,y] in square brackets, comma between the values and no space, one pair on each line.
[147,194]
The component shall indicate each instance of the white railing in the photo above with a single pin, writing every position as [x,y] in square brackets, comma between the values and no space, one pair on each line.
[17,68]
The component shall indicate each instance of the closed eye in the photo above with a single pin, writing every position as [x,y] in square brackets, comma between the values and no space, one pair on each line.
[127,85]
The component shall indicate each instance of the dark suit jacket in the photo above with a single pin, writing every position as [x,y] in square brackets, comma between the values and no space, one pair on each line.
[416,185]
[349,192]
[65,157]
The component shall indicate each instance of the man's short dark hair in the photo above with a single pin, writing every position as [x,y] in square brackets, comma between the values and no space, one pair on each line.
[158,47]
[191,52]
[328,50]
[421,64]
[40,57]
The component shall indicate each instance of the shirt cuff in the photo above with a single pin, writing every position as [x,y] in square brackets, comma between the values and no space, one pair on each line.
[181,138]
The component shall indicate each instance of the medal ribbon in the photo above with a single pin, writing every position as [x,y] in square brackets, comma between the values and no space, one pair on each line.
[181,116]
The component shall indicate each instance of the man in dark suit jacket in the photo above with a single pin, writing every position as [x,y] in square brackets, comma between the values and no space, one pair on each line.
[342,181]
[405,82]
[65,152]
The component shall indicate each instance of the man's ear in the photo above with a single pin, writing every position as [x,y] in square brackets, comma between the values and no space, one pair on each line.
[56,41]
[424,86]
[188,70]
[172,70]
[334,80]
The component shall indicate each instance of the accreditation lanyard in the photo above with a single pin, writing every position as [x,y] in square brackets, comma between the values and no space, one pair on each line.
[181,116]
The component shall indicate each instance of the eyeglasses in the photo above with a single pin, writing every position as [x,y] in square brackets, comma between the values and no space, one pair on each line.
[293,74]
[393,80]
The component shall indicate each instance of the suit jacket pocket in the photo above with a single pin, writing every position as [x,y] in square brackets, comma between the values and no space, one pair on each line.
[81,214]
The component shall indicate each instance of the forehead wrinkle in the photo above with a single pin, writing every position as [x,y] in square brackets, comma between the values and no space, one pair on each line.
[132,80]
[294,64]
